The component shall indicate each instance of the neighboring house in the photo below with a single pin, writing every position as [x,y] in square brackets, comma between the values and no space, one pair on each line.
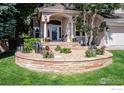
[58,24]
[114,36]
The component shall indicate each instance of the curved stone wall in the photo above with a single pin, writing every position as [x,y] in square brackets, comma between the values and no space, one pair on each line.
[63,67]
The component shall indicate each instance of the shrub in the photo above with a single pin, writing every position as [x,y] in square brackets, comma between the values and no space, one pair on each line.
[74,39]
[100,51]
[47,53]
[25,36]
[27,48]
[58,48]
[65,50]
[103,49]
[50,55]
[29,44]
[47,39]
[90,53]
[47,48]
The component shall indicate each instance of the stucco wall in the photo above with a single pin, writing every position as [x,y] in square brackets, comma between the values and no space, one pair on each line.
[64,25]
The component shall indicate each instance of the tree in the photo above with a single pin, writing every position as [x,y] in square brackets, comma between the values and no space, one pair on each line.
[122,5]
[7,25]
[23,18]
[81,21]
[7,20]
[93,10]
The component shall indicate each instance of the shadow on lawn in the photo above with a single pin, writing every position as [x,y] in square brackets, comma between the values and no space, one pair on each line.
[7,54]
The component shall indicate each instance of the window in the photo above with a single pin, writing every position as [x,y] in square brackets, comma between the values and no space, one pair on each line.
[60,34]
[48,33]
[77,33]
[83,33]
[36,32]
[37,35]
[55,22]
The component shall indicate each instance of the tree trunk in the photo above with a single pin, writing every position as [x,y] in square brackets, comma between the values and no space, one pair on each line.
[84,14]
[86,39]
[91,31]
[91,38]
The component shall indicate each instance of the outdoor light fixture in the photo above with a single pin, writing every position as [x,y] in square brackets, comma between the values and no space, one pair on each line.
[45,17]
[107,28]
[73,18]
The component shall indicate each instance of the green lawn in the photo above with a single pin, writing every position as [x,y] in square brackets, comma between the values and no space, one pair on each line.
[11,74]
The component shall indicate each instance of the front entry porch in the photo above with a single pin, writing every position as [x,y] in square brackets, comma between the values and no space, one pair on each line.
[54,32]
[58,28]
[56,23]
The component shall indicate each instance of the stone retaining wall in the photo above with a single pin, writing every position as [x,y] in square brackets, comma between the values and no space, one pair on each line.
[63,67]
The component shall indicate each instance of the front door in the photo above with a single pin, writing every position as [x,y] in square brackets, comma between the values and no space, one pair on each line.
[54,32]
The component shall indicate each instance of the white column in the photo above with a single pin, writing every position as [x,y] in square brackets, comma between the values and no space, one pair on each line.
[72,30]
[68,33]
[45,30]
[41,31]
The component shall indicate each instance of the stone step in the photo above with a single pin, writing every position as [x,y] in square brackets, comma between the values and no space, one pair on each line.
[60,43]
[72,45]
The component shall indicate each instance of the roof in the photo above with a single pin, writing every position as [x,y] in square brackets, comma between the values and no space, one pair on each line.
[57,8]
[115,22]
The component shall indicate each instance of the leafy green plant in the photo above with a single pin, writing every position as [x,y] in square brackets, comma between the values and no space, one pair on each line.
[47,48]
[74,39]
[50,55]
[100,51]
[27,47]
[58,48]
[47,39]
[25,36]
[65,50]
[103,49]
[90,53]
[29,44]
[47,53]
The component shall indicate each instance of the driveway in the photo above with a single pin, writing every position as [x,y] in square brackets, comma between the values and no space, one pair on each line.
[120,47]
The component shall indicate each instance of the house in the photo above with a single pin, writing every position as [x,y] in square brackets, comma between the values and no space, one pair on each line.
[57,23]
[114,36]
